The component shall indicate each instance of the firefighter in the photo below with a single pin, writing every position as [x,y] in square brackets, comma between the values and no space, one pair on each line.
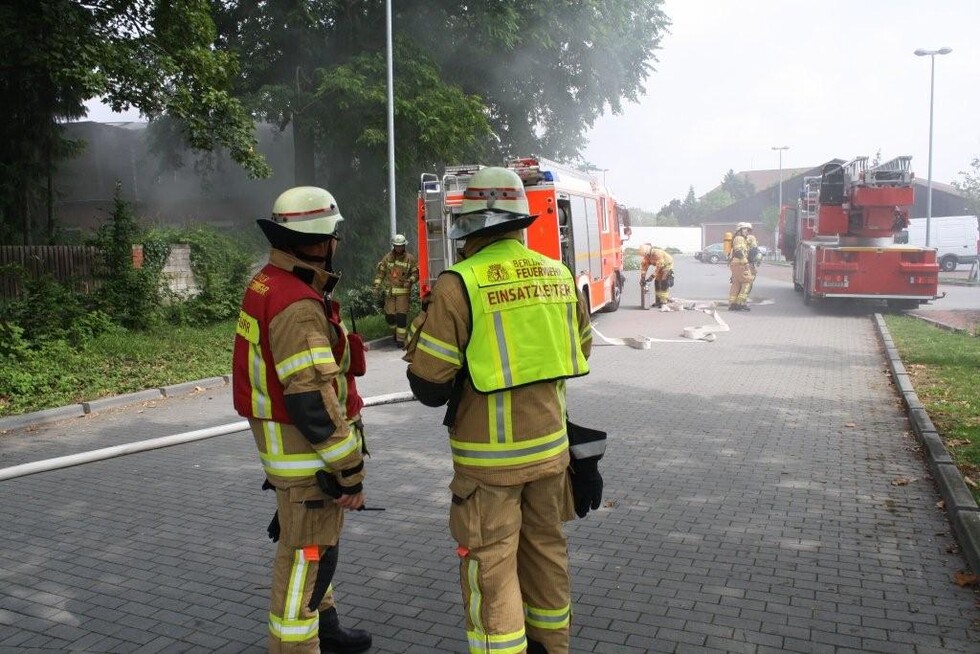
[663,272]
[738,264]
[755,260]
[393,279]
[502,331]
[294,369]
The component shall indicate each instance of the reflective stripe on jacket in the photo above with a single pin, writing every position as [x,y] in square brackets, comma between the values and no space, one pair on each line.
[288,345]
[397,274]
[523,306]
[740,249]
[256,376]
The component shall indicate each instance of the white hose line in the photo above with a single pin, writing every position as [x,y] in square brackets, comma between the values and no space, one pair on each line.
[702,334]
[706,333]
[157,443]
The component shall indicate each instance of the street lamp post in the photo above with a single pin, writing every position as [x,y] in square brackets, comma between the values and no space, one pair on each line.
[779,207]
[921,52]
[391,121]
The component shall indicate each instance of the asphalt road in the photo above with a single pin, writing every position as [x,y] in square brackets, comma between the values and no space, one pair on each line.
[763,494]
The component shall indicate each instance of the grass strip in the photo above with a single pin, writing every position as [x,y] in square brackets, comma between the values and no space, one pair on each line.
[945,370]
[60,373]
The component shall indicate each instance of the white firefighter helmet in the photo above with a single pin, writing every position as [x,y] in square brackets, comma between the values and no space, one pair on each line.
[399,240]
[740,226]
[494,202]
[303,215]
[645,249]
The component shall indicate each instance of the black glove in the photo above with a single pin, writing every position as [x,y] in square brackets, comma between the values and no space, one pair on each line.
[586,485]
[586,448]
[328,484]
[274,528]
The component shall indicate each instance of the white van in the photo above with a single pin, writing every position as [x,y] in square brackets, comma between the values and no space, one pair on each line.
[955,238]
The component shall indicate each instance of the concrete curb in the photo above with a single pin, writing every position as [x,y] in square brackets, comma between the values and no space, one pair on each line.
[936,323]
[962,510]
[79,410]
[377,343]
[122,400]
[190,387]
[42,417]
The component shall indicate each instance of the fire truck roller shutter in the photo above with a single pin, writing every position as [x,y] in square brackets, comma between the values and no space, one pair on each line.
[832,184]
[562,214]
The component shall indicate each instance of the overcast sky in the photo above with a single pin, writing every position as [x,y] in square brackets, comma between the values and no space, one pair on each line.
[836,78]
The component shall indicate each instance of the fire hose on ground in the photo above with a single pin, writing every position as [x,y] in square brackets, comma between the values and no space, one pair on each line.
[157,443]
[700,334]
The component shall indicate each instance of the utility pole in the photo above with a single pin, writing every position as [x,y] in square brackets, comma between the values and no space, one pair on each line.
[391,122]
[779,207]
[932,87]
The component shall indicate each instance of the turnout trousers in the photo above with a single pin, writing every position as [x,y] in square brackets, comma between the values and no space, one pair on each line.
[396,315]
[738,292]
[513,562]
[661,284]
[753,272]
[306,558]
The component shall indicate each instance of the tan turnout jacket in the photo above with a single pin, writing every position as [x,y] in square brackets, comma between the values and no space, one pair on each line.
[532,411]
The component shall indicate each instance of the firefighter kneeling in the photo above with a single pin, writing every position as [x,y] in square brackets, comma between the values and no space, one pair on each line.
[663,275]
[501,368]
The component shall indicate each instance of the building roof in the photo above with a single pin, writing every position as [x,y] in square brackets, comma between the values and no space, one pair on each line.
[763,179]
[946,200]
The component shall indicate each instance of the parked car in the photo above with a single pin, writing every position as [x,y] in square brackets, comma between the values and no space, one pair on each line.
[714,253]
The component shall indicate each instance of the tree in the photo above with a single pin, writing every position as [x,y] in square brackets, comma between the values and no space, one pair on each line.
[157,56]
[547,69]
[969,185]
[642,218]
[770,219]
[710,203]
[541,81]
[473,82]
[672,208]
[687,213]
[737,187]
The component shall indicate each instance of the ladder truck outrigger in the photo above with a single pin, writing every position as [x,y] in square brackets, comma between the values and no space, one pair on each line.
[579,223]
[841,236]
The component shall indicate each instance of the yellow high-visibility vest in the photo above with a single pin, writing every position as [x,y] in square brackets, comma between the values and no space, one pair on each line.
[525,324]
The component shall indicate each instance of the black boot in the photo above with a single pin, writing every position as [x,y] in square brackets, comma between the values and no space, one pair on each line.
[534,647]
[336,639]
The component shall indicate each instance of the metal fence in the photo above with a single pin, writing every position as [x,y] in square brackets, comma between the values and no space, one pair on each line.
[81,266]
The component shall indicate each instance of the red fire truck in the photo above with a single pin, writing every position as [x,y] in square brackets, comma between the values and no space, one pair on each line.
[578,223]
[841,236]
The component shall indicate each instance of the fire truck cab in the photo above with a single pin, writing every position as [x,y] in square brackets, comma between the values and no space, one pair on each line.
[579,223]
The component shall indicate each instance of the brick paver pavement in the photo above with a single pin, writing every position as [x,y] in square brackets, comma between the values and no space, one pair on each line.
[763,494]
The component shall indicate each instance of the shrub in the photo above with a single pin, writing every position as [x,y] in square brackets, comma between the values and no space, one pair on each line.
[221,265]
[361,300]
[34,370]
[49,310]
[132,296]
